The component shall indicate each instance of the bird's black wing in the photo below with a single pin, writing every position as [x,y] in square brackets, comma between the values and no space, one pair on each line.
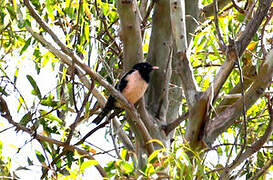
[123,82]
[110,104]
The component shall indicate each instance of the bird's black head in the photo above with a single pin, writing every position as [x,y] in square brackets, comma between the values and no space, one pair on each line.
[145,69]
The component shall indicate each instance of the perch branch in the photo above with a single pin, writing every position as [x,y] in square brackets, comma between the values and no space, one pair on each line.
[139,130]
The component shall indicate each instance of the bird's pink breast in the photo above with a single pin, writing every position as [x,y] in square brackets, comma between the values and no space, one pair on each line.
[135,87]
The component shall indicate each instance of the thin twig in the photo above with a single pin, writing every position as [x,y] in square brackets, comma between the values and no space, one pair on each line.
[226,169]
[73,126]
[221,41]
[52,163]
[247,16]
[172,125]
[145,19]
[93,131]
[106,28]
[262,171]
[77,25]
[263,30]
[49,166]
[6,114]
[237,7]
[113,137]
[73,86]
[6,129]
[103,151]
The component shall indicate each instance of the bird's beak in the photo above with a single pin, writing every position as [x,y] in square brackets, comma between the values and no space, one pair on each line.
[155,67]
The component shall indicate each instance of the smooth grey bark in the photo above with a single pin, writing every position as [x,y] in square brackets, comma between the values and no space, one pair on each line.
[159,54]
[130,33]
[192,17]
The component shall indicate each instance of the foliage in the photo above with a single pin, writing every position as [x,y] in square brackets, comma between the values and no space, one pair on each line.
[56,112]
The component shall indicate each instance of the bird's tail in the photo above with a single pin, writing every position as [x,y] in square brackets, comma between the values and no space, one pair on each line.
[101,115]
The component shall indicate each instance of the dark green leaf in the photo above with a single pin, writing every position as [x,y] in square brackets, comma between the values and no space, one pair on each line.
[15,75]
[30,162]
[127,167]
[11,11]
[26,118]
[27,43]
[35,87]
[39,155]
[49,101]
[2,91]
[22,168]
[69,157]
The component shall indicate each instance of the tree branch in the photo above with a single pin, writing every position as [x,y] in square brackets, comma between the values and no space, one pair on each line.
[6,114]
[143,7]
[192,17]
[159,51]
[256,146]
[220,38]
[178,23]
[185,73]
[123,136]
[225,119]
[208,9]
[199,112]
[148,120]
[262,171]
[252,26]
[234,51]
[139,128]
[46,28]
[172,125]
[130,34]
[249,75]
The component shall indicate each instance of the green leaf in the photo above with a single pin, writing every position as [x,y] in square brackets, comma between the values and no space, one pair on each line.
[22,168]
[49,101]
[149,170]
[69,157]
[70,92]
[11,11]
[49,116]
[1,147]
[3,91]
[27,43]
[153,156]
[30,162]
[126,167]
[26,118]
[15,75]
[21,100]
[35,87]
[87,164]
[49,7]
[123,154]
[110,166]
[39,155]
[86,32]
[156,141]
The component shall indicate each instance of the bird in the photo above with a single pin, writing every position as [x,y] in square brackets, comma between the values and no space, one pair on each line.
[132,86]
